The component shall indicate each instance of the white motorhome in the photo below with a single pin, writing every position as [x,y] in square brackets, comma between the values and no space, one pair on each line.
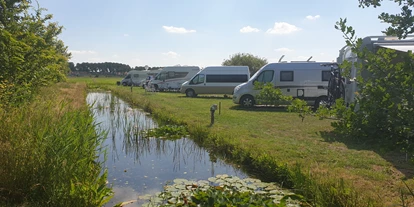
[216,80]
[372,43]
[135,77]
[172,77]
[307,80]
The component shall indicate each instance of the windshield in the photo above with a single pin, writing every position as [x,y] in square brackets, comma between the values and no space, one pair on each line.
[257,73]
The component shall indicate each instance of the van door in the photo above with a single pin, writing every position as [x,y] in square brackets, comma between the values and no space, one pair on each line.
[198,84]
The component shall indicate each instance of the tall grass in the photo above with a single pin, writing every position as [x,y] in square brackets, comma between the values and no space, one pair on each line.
[48,155]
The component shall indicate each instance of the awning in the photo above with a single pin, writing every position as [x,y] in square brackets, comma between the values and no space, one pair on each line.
[401,46]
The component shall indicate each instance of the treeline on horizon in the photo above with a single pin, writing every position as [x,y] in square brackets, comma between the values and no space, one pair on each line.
[105,68]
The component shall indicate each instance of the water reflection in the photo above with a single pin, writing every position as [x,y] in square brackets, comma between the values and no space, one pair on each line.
[137,165]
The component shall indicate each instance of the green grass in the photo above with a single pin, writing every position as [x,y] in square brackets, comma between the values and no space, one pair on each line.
[48,152]
[278,146]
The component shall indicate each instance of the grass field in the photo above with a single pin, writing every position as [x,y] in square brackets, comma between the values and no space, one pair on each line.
[274,142]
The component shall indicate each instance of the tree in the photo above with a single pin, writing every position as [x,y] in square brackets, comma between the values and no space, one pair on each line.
[31,55]
[401,24]
[246,59]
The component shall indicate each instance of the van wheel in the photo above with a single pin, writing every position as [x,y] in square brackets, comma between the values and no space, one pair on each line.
[156,87]
[190,93]
[124,84]
[320,101]
[247,101]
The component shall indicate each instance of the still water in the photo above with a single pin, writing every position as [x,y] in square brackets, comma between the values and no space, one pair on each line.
[137,165]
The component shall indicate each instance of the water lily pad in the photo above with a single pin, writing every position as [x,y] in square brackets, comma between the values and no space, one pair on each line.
[180,181]
[212,179]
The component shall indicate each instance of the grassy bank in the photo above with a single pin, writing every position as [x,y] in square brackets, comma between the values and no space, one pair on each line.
[279,147]
[48,152]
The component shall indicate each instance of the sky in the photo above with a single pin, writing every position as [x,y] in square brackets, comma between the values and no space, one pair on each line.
[204,33]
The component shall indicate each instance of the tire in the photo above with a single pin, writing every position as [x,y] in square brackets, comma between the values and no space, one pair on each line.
[247,101]
[156,87]
[319,101]
[124,84]
[190,93]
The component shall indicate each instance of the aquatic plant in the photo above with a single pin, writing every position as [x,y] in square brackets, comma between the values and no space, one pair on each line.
[167,131]
[223,190]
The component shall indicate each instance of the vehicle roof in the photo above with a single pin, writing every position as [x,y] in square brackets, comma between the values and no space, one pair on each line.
[298,65]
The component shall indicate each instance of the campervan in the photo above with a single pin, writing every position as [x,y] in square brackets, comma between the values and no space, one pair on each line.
[216,80]
[172,77]
[372,43]
[135,77]
[307,80]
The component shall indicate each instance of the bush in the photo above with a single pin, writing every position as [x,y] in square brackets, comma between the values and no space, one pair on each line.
[270,96]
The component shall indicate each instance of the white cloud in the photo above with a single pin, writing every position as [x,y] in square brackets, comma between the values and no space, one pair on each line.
[283,49]
[179,30]
[82,52]
[248,29]
[126,35]
[171,54]
[310,17]
[283,28]
[115,56]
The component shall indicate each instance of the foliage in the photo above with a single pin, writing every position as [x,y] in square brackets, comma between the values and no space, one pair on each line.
[105,68]
[401,24]
[167,131]
[48,156]
[246,59]
[301,107]
[224,190]
[385,102]
[31,54]
[269,95]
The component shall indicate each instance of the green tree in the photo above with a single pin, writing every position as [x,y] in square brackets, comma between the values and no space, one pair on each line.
[246,59]
[402,24]
[31,55]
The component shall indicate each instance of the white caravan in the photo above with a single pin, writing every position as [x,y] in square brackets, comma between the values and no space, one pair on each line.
[135,77]
[216,80]
[307,80]
[172,77]
[372,43]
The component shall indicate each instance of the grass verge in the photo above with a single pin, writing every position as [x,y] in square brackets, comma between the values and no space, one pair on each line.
[49,151]
[277,146]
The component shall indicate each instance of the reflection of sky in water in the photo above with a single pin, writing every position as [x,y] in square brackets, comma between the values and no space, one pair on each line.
[138,166]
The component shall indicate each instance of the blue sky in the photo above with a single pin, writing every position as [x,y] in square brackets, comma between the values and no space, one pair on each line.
[203,33]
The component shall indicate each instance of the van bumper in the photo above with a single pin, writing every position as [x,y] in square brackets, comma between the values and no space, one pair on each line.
[236,99]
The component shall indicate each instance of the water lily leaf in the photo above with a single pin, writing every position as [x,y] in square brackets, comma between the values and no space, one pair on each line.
[212,179]
[172,200]
[144,197]
[180,181]
[181,187]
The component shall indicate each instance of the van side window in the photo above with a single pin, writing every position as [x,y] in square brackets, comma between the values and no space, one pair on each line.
[286,75]
[180,74]
[266,76]
[136,75]
[171,74]
[234,78]
[198,79]
[326,75]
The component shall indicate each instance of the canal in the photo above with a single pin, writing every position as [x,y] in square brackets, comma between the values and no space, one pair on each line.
[139,166]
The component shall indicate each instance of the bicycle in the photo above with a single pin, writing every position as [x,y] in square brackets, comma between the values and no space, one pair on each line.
[336,84]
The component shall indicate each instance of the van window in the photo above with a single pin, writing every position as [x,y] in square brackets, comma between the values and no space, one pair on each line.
[286,75]
[180,74]
[198,79]
[266,76]
[136,75]
[326,75]
[171,74]
[233,78]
